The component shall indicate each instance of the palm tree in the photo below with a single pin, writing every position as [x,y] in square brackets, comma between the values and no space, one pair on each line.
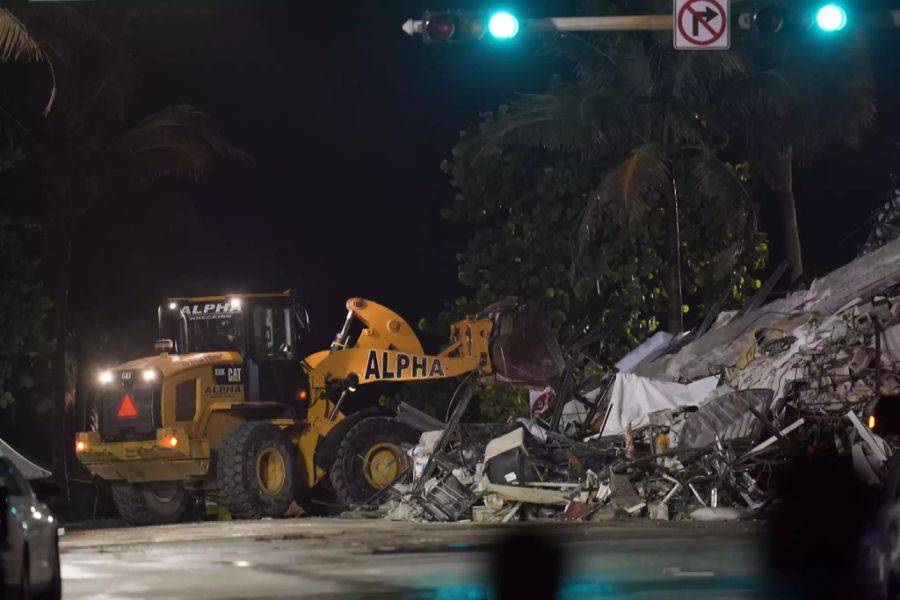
[88,151]
[663,119]
[801,93]
[643,109]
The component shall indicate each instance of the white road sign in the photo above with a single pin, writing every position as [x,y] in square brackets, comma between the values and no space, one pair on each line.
[701,25]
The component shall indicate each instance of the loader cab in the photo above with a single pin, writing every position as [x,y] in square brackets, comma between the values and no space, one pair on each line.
[267,330]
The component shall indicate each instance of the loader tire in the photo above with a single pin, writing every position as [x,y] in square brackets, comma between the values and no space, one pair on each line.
[256,471]
[150,503]
[370,458]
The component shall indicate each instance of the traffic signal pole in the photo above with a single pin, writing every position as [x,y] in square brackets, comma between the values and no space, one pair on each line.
[612,23]
[888,18]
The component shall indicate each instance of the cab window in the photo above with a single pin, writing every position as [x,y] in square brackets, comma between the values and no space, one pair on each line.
[272,332]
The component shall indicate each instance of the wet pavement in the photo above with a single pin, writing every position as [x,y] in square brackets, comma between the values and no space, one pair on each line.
[339,558]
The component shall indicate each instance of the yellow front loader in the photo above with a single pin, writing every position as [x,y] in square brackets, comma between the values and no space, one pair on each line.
[227,410]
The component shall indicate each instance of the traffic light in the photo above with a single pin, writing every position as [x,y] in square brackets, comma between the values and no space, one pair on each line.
[503,25]
[769,19]
[461,26]
[787,17]
[831,17]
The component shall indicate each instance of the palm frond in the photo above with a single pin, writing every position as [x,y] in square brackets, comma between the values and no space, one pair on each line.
[16,43]
[11,128]
[570,117]
[730,210]
[179,141]
[625,195]
[592,64]
[721,266]
[629,187]
[40,16]
[768,92]
[715,180]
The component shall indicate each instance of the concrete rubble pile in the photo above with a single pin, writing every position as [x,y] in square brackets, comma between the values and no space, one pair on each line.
[693,426]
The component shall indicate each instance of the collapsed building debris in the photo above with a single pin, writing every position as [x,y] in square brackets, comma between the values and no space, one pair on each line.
[691,426]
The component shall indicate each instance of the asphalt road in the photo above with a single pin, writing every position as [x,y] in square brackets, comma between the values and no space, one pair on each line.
[335,558]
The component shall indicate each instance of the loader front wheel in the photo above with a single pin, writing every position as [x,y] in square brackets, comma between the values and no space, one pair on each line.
[150,503]
[256,471]
[370,458]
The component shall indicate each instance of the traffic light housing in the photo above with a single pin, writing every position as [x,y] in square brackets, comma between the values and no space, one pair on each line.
[786,16]
[463,26]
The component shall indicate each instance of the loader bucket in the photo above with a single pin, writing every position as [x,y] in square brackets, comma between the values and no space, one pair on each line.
[524,351]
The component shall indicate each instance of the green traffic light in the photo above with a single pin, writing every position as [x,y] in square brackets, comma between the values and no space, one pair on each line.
[503,25]
[831,17]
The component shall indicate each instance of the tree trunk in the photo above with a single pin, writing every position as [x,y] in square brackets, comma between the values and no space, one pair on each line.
[62,246]
[673,279]
[784,191]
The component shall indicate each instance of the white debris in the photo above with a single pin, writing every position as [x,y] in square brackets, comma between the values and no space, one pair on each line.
[633,398]
[718,513]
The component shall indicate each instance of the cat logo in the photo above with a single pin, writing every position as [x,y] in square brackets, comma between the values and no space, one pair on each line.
[384,364]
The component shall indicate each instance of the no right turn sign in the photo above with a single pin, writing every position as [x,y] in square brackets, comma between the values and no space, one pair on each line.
[701,25]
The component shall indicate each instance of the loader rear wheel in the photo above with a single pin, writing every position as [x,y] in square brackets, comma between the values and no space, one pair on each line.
[256,471]
[370,458]
[150,503]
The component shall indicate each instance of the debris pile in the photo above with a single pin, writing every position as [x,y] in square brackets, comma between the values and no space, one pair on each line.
[691,426]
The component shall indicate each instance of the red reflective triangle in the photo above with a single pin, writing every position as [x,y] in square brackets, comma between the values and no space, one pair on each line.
[127,409]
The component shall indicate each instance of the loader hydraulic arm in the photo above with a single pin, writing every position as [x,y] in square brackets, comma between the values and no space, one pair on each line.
[526,353]
[387,349]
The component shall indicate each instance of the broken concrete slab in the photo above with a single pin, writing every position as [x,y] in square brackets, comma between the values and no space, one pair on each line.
[658,511]
[529,495]
[622,493]
[717,513]
[486,514]
[861,278]
[727,416]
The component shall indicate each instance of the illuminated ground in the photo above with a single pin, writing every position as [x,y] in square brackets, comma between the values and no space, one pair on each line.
[334,558]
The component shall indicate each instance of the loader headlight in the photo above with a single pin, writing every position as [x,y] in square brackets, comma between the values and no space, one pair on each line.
[149,375]
[105,377]
[352,382]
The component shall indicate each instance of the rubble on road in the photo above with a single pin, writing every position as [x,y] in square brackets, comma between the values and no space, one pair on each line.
[692,426]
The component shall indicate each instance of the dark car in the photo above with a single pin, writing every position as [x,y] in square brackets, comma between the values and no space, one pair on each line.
[29,539]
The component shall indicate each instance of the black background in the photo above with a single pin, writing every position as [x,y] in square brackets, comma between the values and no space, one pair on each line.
[347,119]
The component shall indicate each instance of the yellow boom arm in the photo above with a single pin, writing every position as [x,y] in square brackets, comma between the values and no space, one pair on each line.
[387,350]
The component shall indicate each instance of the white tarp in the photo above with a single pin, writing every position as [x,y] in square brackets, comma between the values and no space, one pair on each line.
[659,341]
[632,398]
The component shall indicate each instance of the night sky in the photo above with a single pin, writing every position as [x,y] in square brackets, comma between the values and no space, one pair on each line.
[347,120]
